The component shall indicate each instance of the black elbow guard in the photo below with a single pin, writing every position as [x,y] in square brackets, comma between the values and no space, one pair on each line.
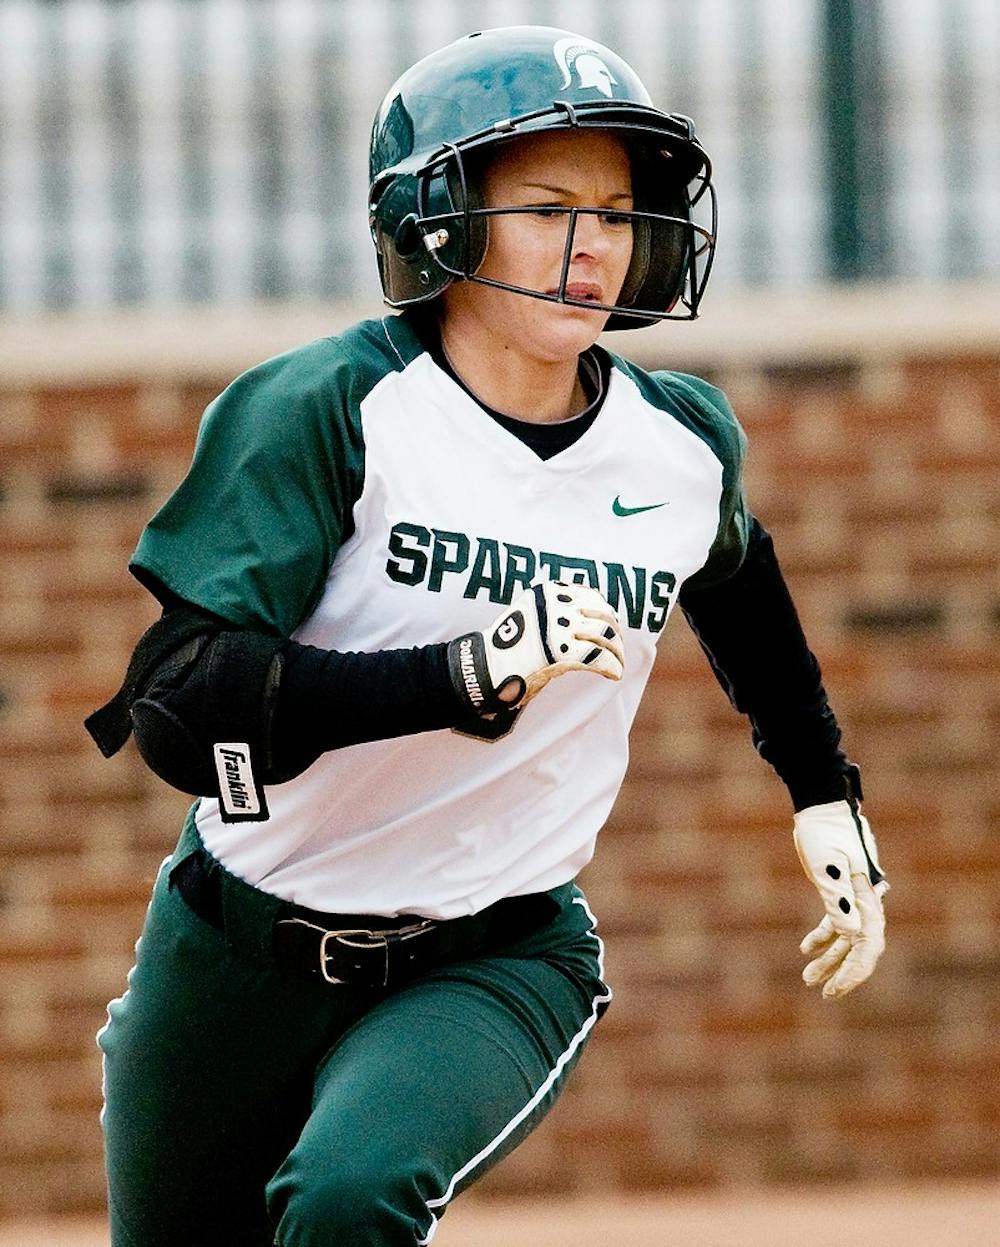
[204,723]
[200,699]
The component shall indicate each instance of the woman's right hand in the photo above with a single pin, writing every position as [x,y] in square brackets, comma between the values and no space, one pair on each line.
[547,630]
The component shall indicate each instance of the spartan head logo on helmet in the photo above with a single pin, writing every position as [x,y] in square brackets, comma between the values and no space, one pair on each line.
[583,58]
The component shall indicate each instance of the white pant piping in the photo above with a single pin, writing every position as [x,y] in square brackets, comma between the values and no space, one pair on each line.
[602,998]
[117,1000]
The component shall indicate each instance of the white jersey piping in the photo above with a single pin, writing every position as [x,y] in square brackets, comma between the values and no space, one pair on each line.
[388,338]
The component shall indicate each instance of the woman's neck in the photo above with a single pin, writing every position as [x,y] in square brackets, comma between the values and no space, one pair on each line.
[513,382]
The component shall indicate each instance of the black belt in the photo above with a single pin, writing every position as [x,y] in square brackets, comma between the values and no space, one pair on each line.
[366,950]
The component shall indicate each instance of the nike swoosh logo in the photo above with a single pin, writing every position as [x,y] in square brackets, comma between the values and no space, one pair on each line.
[622,511]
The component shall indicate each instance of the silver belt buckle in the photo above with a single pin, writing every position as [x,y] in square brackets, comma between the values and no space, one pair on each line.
[373,939]
[327,936]
[367,939]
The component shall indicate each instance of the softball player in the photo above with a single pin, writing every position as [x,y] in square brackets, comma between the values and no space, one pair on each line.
[412,586]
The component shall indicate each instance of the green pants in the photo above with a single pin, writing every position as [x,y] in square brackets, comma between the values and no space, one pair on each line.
[247,1105]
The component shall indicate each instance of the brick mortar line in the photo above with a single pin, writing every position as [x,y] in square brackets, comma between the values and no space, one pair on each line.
[865,324]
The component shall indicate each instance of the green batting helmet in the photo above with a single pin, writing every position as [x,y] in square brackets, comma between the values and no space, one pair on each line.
[453,108]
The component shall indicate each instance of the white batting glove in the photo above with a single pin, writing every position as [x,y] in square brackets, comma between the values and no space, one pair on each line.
[838,853]
[547,630]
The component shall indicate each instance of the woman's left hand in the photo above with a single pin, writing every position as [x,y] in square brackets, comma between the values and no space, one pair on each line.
[839,855]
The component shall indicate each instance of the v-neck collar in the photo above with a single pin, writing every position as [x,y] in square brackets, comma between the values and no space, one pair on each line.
[545,442]
[550,438]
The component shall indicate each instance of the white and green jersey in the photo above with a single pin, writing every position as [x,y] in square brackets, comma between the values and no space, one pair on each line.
[351,495]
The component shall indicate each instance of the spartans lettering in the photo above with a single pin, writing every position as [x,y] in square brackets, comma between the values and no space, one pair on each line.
[499,569]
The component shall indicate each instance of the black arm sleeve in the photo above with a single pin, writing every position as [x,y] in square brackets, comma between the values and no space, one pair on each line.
[749,629]
[329,699]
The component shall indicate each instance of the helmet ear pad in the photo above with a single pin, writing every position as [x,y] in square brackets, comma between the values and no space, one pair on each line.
[407,272]
[660,248]
[411,272]
[451,192]
[638,269]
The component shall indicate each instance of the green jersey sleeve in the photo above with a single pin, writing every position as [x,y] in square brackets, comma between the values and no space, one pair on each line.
[705,410]
[252,530]
[708,412]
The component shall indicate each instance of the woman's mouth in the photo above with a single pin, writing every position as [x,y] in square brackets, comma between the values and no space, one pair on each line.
[582,292]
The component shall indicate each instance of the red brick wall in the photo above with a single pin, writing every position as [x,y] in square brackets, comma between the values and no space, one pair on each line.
[715,1064]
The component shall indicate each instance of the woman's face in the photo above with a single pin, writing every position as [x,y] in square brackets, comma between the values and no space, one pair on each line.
[564,169]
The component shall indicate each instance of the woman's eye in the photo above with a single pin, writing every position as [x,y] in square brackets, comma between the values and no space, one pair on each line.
[546,213]
[615,219]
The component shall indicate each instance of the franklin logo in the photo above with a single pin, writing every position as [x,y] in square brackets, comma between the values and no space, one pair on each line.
[236,782]
[583,58]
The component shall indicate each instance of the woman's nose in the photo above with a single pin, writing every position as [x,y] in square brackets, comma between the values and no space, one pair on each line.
[590,235]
